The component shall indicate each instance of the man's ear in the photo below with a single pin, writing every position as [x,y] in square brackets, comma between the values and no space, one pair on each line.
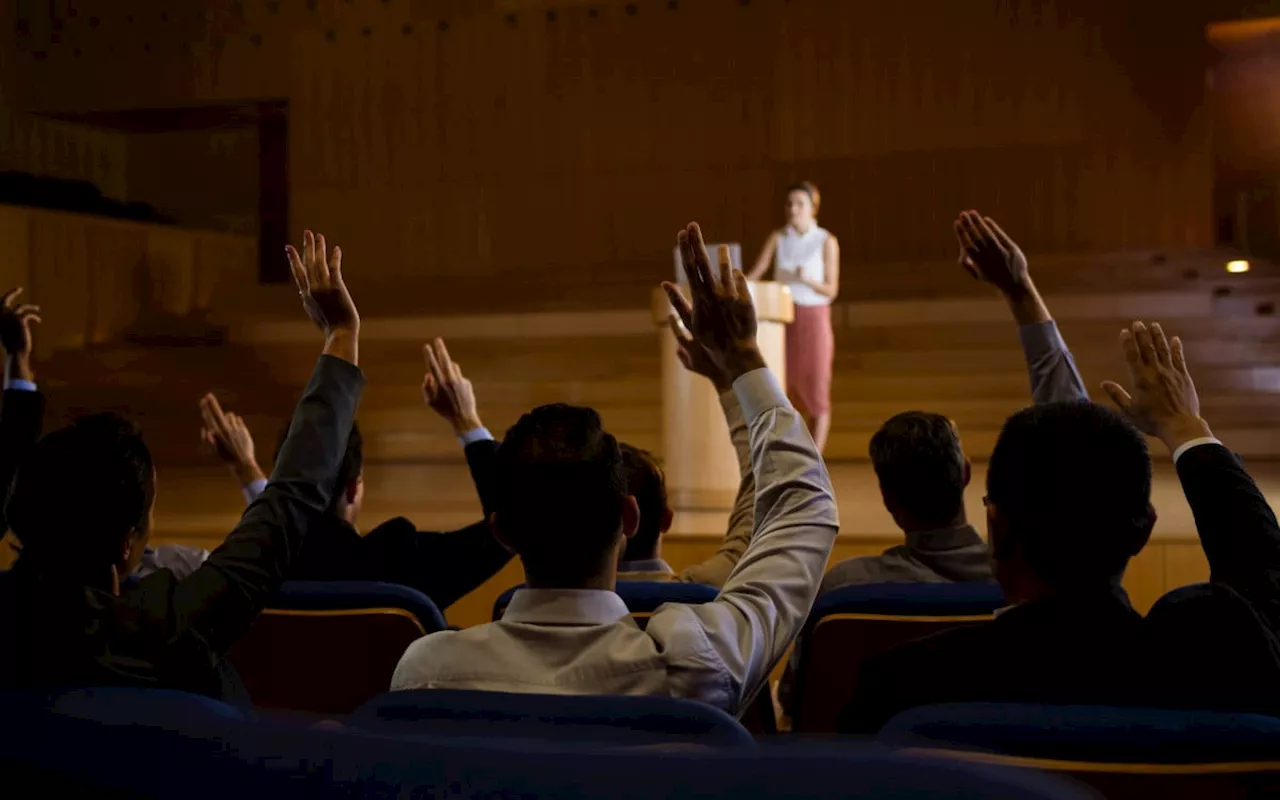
[352,492]
[1145,535]
[968,471]
[630,517]
[496,530]
[668,517]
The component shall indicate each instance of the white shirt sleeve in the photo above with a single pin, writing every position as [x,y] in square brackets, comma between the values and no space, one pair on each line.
[1185,446]
[475,435]
[767,597]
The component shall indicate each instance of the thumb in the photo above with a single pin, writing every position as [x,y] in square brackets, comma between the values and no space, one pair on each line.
[1118,395]
[685,358]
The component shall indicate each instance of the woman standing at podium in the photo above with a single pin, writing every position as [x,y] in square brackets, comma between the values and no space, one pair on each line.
[806,257]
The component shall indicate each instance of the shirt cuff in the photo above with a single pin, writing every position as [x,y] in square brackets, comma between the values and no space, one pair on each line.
[1039,338]
[1185,446]
[19,385]
[758,391]
[474,435]
[252,489]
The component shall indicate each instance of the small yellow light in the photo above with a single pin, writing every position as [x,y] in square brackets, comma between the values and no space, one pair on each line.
[1237,266]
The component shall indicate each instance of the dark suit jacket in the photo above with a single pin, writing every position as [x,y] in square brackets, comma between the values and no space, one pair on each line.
[20,423]
[161,631]
[1213,646]
[443,566]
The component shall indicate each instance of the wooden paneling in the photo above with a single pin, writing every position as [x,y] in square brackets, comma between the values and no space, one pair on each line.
[474,140]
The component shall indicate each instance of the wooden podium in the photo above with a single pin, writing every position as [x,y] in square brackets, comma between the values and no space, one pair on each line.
[701,467]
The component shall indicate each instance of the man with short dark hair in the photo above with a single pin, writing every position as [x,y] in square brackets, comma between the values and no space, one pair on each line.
[563,506]
[1068,505]
[81,508]
[918,459]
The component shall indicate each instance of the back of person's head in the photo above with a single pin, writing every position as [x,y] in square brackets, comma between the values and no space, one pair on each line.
[647,483]
[348,489]
[561,498]
[922,470]
[1069,495]
[82,500]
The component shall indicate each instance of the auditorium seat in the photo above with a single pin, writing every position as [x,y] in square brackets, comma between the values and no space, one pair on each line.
[848,625]
[61,756]
[1124,752]
[586,719]
[642,598]
[328,647]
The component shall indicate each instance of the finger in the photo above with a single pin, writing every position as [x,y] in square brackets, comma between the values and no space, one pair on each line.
[211,410]
[686,360]
[433,364]
[308,251]
[970,223]
[740,284]
[988,235]
[1118,395]
[687,261]
[446,361]
[335,264]
[10,296]
[298,271]
[1146,347]
[1163,356]
[26,308]
[682,340]
[1180,357]
[970,267]
[962,235]
[321,263]
[31,319]
[1001,236]
[701,259]
[680,303]
[1129,346]
[429,386]
[724,270]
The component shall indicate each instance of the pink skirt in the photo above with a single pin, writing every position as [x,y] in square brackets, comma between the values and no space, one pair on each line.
[811,349]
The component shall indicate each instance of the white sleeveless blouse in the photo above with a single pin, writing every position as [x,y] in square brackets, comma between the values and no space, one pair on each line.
[803,253]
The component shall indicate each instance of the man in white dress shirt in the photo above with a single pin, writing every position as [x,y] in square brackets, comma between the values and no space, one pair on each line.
[562,506]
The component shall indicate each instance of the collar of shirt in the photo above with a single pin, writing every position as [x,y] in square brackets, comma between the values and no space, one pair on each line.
[566,607]
[945,538]
[644,565]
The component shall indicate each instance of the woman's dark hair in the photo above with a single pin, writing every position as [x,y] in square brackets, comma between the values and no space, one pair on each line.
[811,190]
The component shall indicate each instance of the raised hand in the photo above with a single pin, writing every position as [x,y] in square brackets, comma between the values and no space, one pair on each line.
[318,275]
[1164,402]
[228,435]
[695,357]
[988,254]
[16,320]
[721,316]
[447,391]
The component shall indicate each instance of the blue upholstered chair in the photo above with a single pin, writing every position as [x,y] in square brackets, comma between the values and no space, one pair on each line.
[849,625]
[1138,752]
[641,597]
[563,718]
[327,647]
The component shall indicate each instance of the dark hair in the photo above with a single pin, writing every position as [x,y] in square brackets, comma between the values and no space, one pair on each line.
[352,463]
[560,488]
[920,463]
[1073,482]
[80,491]
[811,190]
[647,483]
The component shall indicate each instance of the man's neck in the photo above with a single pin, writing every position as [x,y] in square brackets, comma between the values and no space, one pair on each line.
[910,526]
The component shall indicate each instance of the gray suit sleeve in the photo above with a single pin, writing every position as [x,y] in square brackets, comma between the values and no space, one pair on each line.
[1054,377]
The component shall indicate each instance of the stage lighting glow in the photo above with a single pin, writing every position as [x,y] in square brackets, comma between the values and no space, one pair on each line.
[1237,266]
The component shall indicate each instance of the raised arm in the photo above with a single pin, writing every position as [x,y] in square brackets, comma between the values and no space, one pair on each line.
[23,413]
[221,598]
[765,258]
[1237,528]
[768,595]
[715,570]
[450,394]
[990,255]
